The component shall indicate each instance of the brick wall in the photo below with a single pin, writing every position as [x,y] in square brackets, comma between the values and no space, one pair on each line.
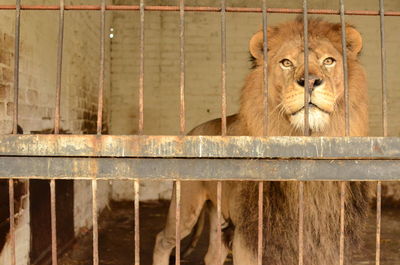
[80,80]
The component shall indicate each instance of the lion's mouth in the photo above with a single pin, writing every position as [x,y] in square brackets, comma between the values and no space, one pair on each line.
[310,106]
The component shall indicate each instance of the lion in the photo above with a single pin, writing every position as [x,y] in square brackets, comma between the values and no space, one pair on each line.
[239,202]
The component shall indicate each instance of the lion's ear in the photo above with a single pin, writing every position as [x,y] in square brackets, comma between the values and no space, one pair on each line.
[256,43]
[354,41]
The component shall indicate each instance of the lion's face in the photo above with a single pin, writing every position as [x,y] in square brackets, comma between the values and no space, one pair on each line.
[286,71]
[325,81]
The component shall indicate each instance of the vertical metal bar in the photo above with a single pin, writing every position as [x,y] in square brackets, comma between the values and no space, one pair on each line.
[99,130]
[265,131]
[383,67]
[223,66]
[306,130]
[141,69]
[306,81]
[219,219]
[301,222]
[15,126]
[53,222]
[16,63]
[182,66]
[57,118]
[178,223]
[137,232]
[95,223]
[102,62]
[12,221]
[265,65]
[341,244]
[345,70]
[378,222]
[347,128]
[223,122]
[260,222]
[384,126]
[59,68]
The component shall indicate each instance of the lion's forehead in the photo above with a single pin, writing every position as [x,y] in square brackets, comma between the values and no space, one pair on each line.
[294,49]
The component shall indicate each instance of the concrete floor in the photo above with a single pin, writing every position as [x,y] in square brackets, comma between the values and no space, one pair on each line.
[116,246]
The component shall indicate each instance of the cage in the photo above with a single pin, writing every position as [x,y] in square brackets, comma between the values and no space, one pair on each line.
[96,98]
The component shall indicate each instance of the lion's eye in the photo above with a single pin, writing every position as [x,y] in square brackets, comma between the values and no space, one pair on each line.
[329,61]
[286,63]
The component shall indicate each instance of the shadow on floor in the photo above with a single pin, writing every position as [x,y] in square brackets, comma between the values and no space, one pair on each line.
[116,244]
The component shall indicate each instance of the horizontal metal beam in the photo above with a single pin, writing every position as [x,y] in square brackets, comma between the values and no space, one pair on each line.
[201,146]
[197,169]
[200,9]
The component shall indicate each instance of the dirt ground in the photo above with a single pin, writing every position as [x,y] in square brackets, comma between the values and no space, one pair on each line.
[116,245]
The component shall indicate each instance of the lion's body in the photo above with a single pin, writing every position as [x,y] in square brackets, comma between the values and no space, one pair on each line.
[322,199]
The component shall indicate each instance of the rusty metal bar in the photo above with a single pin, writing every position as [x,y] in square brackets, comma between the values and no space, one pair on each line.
[383,69]
[347,128]
[101,74]
[182,66]
[260,243]
[57,120]
[301,222]
[16,64]
[12,220]
[306,130]
[141,69]
[201,9]
[384,126]
[57,116]
[53,222]
[137,227]
[223,123]
[99,130]
[265,65]
[306,81]
[223,67]
[219,223]
[178,222]
[95,221]
[378,222]
[345,70]
[197,169]
[260,222]
[15,126]
[201,146]
[342,220]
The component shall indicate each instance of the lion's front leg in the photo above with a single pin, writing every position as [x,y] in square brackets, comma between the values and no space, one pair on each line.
[193,196]
[211,257]
[242,255]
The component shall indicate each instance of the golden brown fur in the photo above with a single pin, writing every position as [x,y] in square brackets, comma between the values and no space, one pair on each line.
[285,101]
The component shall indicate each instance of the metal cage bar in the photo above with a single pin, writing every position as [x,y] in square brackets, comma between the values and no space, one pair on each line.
[137,223]
[182,117]
[223,123]
[57,121]
[306,129]
[15,126]
[260,243]
[53,222]
[177,222]
[306,161]
[384,128]
[201,9]
[347,128]
[141,69]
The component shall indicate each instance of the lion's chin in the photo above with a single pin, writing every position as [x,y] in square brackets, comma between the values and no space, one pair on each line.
[318,120]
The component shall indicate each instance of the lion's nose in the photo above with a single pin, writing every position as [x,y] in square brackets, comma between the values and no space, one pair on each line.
[313,81]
